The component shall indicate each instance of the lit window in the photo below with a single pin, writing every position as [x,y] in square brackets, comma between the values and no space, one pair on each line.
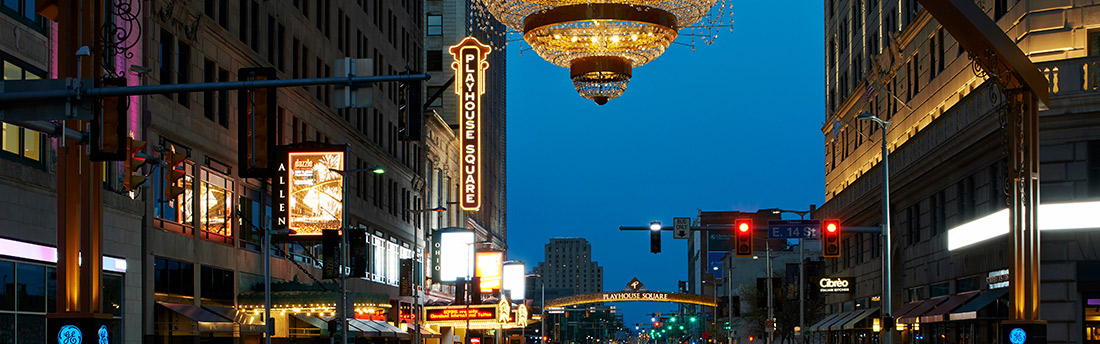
[174,214]
[215,205]
[21,142]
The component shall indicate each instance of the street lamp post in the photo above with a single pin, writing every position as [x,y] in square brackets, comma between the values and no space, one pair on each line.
[887,310]
[801,272]
[342,308]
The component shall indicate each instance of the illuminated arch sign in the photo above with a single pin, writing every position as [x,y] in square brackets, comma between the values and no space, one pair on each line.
[470,65]
[631,296]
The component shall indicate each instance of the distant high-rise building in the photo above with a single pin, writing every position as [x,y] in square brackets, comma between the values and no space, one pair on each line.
[568,269]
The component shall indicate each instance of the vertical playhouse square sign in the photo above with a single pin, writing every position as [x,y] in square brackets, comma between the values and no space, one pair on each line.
[470,65]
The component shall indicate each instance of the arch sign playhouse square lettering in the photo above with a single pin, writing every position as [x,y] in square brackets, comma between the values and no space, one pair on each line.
[655,296]
[470,65]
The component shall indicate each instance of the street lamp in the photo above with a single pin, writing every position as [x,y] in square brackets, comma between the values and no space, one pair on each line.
[343,306]
[801,269]
[887,306]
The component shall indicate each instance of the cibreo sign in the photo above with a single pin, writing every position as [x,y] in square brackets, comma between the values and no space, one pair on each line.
[470,65]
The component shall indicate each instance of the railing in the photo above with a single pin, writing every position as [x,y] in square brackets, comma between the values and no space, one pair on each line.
[1072,76]
[304,332]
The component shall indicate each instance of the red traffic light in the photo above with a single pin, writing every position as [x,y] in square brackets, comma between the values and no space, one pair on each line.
[830,241]
[743,237]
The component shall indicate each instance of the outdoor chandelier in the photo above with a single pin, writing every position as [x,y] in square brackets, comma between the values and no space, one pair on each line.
[600,41]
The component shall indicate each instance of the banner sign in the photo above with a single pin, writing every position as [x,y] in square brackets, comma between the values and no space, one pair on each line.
[461,314]
[469,66]
[489,269]
[309,194]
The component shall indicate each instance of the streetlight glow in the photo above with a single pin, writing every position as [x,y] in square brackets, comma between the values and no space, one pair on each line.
[655,226]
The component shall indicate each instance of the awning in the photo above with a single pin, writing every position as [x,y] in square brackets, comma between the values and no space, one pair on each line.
[312,320]
[905,309]
[428,332]
[970,309]
[838,324]
[913,315]
[939,313]
[207,321]
[851,324]
[379,328]
[828,319]
[364,328]
[247,323]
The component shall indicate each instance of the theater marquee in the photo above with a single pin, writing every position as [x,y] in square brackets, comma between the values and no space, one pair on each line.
[470,65]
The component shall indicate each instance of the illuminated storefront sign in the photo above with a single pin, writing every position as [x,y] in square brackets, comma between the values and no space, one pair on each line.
[452,254]
[833,285]
[309,191]
[470,65]
[631,296]
[488,268]
[461,314]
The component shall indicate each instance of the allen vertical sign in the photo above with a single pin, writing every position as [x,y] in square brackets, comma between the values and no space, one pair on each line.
[470,65]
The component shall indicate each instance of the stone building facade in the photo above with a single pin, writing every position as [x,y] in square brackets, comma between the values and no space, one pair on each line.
[947,169]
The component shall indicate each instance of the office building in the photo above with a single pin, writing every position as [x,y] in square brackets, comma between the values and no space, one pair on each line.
[948,163]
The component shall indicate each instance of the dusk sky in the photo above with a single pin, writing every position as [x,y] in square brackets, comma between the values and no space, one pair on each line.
[731,126]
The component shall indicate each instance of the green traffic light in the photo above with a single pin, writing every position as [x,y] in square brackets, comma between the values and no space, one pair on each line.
[692,319]
[673,319]
[681,327]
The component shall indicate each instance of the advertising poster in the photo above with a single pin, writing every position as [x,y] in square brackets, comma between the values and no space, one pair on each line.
[488,269]
[315,191]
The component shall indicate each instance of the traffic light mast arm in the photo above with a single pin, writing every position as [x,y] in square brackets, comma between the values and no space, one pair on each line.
[726,228]
[101,92]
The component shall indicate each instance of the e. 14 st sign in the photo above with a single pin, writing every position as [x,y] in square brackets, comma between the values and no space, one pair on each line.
[794,229]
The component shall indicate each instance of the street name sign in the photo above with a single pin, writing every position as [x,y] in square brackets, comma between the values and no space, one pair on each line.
[794,229]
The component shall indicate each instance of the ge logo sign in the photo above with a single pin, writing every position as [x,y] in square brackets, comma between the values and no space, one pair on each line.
[69,334]
[1017,336]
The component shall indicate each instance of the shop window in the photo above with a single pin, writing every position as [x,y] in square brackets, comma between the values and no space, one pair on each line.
[7,286]
[215,207]
[252,223]
[173,277]
[30,287]
[174,214]
[112,295]
[18,142]
[216,285]
[914,294]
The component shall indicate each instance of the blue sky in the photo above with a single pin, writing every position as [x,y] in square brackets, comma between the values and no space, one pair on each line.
[731,126]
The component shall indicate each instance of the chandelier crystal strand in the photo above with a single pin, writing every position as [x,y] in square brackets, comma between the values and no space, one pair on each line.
[601,41]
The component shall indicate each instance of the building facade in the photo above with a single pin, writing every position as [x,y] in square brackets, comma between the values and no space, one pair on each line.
[947,161]
[190,268]
[568,264]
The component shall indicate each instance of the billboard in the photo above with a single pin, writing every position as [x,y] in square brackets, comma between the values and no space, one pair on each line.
[469,66]
[488,269]
[456,313]
[453,254]
[513,280]
[315,191]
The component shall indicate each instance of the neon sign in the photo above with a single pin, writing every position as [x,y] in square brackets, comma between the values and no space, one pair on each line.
[470,65]
[461,314]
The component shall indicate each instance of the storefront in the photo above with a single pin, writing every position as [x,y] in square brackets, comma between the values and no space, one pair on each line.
[486,323]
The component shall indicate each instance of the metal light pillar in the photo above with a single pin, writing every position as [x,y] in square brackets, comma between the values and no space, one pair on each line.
[887,304]
[771,311]
[268,323]
[1023,131]
[343,308]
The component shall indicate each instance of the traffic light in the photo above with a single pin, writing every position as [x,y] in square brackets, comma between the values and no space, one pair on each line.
[172,176]
[108,127]
[132,164]
[830,245]
[410,109]
[655,237]
[357,252]
[742,234]
[257,125]
[330,248]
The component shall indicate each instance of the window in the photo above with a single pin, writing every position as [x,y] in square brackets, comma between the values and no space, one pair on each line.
[912,228]
[216,286]
[242,24]
[173,277]
[964,200]
[1000,8]
[932,55]
[23,10]
[7,285]
[209,98]
[183,72]
[252,224]
[938,223]
[215,207]
[31,288]
[939,51]
[435,25]
[223,99]
[1094,168]
[18,141]
[435,61]
[112,296]
[174,214]
[915,294]
[940,289]
[167,43]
